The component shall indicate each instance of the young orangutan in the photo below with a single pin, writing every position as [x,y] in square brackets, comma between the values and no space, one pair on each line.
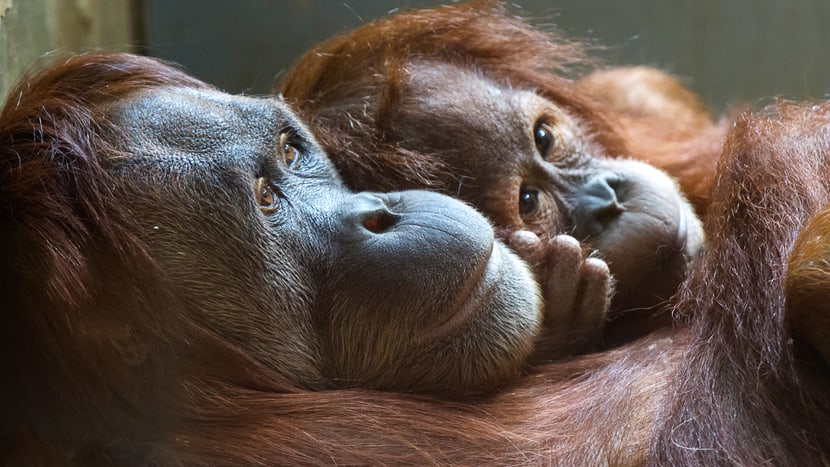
[467,100]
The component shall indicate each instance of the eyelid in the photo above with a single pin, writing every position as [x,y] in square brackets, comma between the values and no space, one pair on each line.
[266,195]
[565,148]
[551,133]
[289,150]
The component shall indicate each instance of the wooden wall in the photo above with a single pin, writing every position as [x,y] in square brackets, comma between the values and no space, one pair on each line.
[31,28]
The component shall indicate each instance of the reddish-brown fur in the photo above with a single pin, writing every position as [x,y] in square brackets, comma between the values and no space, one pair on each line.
[744,396]
[733,384]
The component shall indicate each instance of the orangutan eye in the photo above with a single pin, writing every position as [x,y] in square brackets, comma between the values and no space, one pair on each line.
[543,137]
[290,154]
[265,196]
[528,200]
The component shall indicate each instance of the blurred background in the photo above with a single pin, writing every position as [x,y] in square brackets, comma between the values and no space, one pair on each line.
[728,51]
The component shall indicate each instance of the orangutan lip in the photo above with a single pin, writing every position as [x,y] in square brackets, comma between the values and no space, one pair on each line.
[682,230]
[463,306]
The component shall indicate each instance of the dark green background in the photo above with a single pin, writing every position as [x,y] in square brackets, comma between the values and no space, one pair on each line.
[730,52]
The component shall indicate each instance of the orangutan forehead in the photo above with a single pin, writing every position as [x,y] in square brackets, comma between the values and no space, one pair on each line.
[202,122]
[449,89]
[438,78]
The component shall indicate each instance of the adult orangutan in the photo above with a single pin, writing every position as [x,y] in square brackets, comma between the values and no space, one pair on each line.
[467,100]
[185,281]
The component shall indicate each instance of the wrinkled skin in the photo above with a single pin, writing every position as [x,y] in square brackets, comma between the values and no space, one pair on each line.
[325,265]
